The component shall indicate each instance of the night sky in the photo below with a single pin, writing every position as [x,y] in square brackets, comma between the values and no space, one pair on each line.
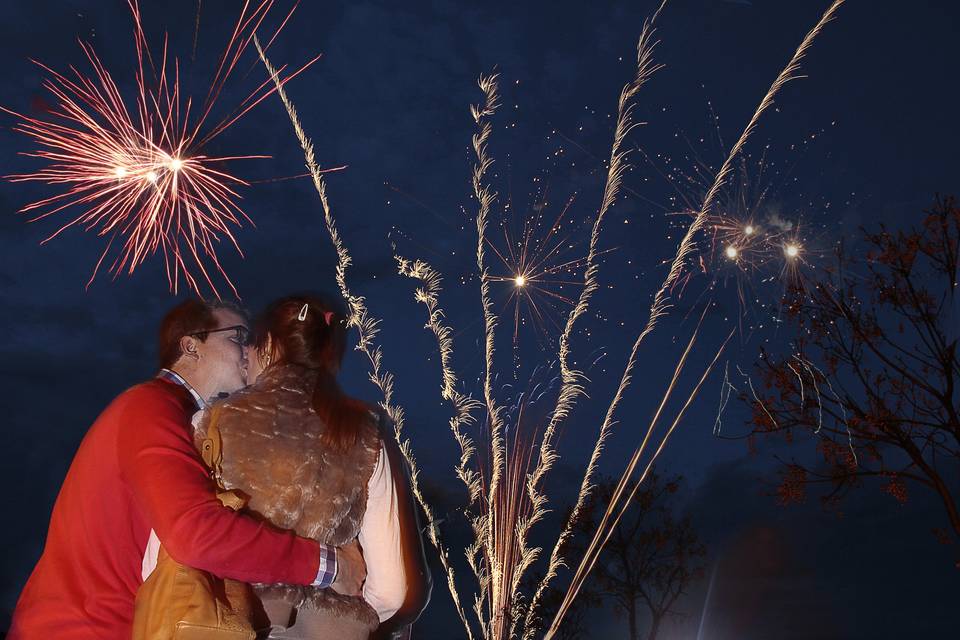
[869,136]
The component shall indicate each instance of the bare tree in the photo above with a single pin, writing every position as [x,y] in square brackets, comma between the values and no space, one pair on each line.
[872,377]
[650,560]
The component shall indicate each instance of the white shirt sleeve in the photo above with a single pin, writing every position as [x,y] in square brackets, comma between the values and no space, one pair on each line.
[150,555]
[386,584]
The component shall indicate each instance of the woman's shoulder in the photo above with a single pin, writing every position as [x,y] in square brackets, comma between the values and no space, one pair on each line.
[251,409]
[268,393]
[242,402]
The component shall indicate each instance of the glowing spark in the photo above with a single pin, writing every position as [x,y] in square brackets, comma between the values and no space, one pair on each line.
[748,230]
[520,281]
[792,251]
[732,252]
[94,139]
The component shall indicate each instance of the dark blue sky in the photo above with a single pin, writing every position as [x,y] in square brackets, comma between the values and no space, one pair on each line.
[869,136]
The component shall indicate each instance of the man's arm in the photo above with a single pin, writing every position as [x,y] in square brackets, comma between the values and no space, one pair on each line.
[174,492]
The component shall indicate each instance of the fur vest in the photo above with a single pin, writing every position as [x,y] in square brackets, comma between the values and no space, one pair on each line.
[274,454]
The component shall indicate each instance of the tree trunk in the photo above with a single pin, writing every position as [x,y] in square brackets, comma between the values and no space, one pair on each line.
[632,616]
[654,626]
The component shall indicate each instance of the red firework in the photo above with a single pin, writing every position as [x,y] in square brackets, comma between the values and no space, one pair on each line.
[144,177]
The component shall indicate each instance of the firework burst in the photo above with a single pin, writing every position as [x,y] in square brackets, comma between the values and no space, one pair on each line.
[762,236]
[538,270]
[140,176]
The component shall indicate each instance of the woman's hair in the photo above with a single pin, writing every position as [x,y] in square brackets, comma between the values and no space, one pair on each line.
[306,331]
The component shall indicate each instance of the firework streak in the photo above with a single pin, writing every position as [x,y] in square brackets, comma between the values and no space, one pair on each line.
[571,386]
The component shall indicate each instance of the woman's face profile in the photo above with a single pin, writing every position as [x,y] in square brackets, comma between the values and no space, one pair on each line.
[255,365]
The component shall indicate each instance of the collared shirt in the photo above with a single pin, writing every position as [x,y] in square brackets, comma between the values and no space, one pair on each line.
[173,376]
[327,571]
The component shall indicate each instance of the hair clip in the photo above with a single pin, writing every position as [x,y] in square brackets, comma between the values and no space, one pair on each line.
[303,312]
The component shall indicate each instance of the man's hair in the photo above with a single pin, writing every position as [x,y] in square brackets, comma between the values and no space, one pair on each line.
[191,316]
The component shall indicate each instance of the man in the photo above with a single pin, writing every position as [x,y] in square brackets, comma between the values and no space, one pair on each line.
[137,472]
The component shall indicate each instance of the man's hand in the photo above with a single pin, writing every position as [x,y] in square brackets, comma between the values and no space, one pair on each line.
[351,570]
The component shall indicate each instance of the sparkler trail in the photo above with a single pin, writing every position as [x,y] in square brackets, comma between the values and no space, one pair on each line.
[572,381]
[756,398]
[663,444]
[596,544]
[145,178]
[843,408]
[485,198]
[367,328]
[725,390]
[463,405]
[799,379]
[607,424]
[507,513]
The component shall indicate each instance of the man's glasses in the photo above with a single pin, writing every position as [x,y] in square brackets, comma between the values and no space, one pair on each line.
[241,334]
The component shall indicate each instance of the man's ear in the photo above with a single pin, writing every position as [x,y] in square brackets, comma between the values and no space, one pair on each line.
[188,347]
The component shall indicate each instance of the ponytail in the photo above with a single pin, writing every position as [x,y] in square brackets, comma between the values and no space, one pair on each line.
[340,413]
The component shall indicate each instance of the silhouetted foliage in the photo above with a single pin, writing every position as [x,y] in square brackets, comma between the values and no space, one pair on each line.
[872,376]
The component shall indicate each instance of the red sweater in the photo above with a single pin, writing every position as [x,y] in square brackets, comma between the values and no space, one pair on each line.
[137,470]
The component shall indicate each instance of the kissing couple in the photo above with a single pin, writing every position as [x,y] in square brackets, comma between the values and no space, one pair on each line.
[328,534]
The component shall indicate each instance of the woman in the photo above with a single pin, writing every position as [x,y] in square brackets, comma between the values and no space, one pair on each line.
[313,460]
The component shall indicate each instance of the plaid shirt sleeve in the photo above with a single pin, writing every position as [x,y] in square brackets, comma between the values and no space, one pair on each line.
[327,572]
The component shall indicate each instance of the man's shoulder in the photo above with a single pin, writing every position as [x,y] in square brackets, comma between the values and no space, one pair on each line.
[153,395]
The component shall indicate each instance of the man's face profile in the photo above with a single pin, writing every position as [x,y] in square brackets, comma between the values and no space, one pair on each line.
[222,356]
